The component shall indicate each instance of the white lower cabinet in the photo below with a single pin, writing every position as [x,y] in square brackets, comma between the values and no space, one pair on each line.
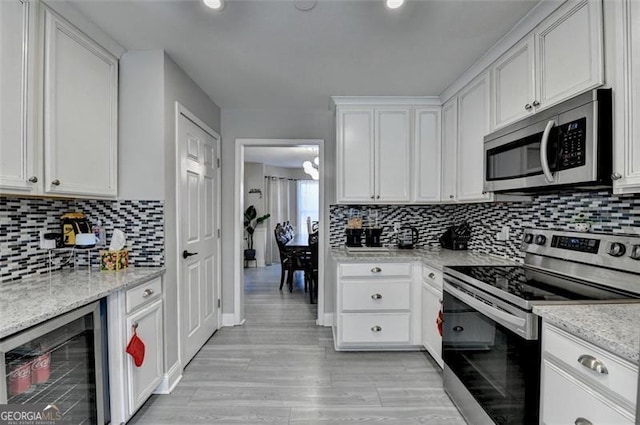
[584,384]
[138,309]
[431,337]
[378,306]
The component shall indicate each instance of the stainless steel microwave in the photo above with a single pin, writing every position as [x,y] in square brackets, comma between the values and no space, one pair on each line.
[566,146]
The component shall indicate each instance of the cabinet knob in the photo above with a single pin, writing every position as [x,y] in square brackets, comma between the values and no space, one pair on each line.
[134,325]
[616,176]
[458,329]
[450,196]
[33,179]
[373,197]
[432,276]
[147,293]
[592,363]
[582,421]
[56,182]
[376,270]
[376,328]
[378,197]
[536,103]
[376,296]
[528,107]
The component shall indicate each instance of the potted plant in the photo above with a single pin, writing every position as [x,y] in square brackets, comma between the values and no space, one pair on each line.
[251,221]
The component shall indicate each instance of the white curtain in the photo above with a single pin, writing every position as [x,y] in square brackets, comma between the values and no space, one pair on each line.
[308,203]
[281,204]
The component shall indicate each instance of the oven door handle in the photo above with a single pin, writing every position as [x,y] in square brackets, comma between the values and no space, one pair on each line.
[544,147]
[493,313]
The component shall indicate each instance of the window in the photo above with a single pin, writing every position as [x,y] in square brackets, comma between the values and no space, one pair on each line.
[308,203]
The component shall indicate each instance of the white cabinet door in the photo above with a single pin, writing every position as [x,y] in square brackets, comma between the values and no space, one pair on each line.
[427,155]
[626,165]
[355,155]
[565,399]
[19,171]
[473,125]
[449,149]
[431,338]
[143,380]
[513,91]
[80,112]
[569,51]
[392,155]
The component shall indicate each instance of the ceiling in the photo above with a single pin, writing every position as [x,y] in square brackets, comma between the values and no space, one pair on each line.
[268,54]
[288,157]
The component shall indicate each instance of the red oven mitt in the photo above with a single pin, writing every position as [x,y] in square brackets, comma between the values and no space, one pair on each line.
[439,320]
[135,348]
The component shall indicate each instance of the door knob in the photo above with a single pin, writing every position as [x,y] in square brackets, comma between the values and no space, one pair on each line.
[186,254]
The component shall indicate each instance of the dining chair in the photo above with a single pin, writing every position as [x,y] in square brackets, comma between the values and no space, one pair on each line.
[312,270]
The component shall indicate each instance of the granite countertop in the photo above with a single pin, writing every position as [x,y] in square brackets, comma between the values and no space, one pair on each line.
[435,257]
[28,302]
[613,327]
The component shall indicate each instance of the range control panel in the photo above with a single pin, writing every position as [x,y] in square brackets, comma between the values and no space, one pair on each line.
[573,243]
[609,250]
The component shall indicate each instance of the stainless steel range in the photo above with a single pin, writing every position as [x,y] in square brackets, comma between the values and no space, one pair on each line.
[491,347]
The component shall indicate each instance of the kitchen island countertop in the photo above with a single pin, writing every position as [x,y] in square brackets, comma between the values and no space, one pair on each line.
[613,327]
[30,301]
[434,257]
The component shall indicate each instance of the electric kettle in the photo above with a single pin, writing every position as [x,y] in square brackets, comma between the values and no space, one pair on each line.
[407,237]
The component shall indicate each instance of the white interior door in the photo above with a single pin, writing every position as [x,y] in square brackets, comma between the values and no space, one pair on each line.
[198,195]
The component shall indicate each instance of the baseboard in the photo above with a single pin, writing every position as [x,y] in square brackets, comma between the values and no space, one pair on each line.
[327,319]
[170,380]
[228,319]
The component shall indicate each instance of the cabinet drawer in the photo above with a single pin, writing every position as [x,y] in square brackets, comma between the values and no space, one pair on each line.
[621,376]
[432,276]
[375,296]
[564,400]
[375,270]
[375,328]
[143,294]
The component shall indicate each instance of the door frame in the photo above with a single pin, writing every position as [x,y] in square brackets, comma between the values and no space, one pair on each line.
[182,110]
[238,281]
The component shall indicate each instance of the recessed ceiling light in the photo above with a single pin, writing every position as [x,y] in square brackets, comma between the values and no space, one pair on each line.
[214,4]
[393,4]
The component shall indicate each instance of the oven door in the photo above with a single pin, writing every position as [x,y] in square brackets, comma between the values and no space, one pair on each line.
[491,372]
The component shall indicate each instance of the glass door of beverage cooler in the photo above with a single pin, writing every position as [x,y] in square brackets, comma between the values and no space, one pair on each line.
[57,363]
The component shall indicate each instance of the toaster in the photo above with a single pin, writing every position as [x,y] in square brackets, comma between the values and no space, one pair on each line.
[456,237]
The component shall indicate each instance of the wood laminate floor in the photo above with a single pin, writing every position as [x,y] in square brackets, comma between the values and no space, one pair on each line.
[280,368]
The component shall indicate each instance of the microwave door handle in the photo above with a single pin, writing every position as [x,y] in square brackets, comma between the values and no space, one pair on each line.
[544,146]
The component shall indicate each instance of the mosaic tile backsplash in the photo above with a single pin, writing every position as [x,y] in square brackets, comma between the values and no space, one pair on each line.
[21,220]
[606,212]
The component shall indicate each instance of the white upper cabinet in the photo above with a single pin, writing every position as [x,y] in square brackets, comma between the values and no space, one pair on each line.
[392,153]
[449,149]
[373,154]
[626,166]
[569,46]
[18,163]
[427,155]
[80,112]
[513,77]
[473,125]
[355,158]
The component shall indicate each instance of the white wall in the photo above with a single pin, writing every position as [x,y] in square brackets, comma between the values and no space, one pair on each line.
[254,179]
[141,126]
[150,84]
[269,124]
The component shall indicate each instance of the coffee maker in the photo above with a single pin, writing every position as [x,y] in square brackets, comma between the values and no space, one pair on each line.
[353,231]
[408,237]
[373,231]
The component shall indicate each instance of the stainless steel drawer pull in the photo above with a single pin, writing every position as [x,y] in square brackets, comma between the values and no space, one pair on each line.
[376,328]
[592,363]
[376,296]
[432,276]
[376,270]
[583,421]
[147,293]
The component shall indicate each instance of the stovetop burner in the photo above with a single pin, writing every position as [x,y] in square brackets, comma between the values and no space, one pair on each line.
[534,286]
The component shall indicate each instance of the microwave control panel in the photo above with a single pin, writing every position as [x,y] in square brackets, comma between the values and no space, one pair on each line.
[572,143]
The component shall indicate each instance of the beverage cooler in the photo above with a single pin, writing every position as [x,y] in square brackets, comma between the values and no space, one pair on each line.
[58,362]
